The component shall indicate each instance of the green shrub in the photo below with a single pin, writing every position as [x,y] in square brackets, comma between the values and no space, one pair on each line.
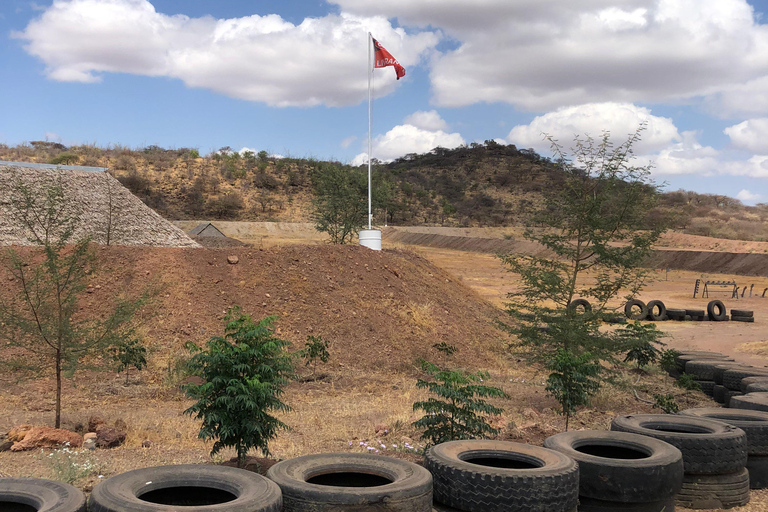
[245,372]
[687,381]
[462,412]
[572,381]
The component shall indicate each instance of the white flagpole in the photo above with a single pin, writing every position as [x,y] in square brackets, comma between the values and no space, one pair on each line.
[370,72]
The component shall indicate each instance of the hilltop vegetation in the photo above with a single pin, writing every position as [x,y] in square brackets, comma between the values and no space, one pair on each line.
[487,184]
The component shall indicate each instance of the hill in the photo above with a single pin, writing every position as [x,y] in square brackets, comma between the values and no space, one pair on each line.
[477,185]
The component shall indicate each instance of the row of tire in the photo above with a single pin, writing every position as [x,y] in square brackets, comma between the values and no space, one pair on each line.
[657,311]
[646,463]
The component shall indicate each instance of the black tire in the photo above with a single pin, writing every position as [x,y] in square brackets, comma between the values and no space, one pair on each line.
[715,491]
[193,486]
[683,358]
[757,465]
[635,316]
[746,319]
[718,393]
[702,369]
[695,312]
[729,393]
[721,368]
[352,482]
[495,482]
[39,494]
[616,320]
[752,401]
[676,314]
[707,387]
[574,305]
[753,423]
[622,467]
[652,307]
[709,447]
[756,387]
[732,378]
[742,312]
[716,311]
[592,505]
[746,381]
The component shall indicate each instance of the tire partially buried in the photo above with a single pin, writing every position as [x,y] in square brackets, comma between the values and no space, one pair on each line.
[352,482]
[39,495]
[622,467]
[193,487]
[709,447]
[497,476]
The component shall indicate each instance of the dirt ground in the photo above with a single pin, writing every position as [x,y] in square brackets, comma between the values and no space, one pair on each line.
[381,311]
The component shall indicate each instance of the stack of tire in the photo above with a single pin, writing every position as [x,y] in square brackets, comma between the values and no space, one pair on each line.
[622,471]
[732,378]
[702,368]
[742,315]
[755,426]
[714,456]
[501,476]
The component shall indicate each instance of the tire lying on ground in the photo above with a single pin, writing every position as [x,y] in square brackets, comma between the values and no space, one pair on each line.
[718,393]
[746,381]
[722,367]
[352,482]
[729,394]
[582,304]
[622,467]
[756,387]
[709,447]
[193,486]
[748,319]
[592,505]
[630,311]
[696,314]
[753,423]
[707,387]
[38,495]
[753,401]
[714,491]
[716,311]
[684,357]
[702,369]
[732,377]
[657,311]
[496,476]
[757,465]
[676,314]
[744,313]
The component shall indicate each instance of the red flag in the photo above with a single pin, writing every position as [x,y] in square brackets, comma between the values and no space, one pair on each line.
[382,58]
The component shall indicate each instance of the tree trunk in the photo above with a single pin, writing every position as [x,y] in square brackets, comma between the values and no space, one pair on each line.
[58,389]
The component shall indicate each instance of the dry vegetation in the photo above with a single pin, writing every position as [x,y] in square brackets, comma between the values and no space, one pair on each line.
[477,185]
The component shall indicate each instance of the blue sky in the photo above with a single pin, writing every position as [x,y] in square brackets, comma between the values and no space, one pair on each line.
[290,77]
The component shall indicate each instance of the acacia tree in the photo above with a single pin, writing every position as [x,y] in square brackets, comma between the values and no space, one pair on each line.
[341,201]
[596,236]
[42,322]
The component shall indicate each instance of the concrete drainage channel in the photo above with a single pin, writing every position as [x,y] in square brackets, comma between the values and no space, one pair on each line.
[706,458]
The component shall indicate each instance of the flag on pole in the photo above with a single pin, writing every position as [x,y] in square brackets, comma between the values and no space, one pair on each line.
[382,58]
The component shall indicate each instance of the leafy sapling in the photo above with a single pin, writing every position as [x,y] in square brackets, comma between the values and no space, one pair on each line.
[573,381]
[460,412]
[315,348]
[245,372]
[129,353]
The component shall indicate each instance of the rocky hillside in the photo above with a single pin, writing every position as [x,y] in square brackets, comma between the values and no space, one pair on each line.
[477,185]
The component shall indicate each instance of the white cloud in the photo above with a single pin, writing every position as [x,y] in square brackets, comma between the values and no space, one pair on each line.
[620,119]
[747,196]
[348,141]
[427,120]
[755,167]
[407,138]
[544,54]
[255,58]
[751,134]
[686,157]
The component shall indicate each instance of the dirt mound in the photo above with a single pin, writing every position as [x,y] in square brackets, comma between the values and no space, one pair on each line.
[101,202]
[378,309]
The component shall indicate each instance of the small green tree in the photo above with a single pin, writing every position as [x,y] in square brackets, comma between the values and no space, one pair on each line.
[641,341]
[315,348]
[572,381]
[341,201]
[43,321]
[129,353]
[594,226]
[461,414]
[245,372]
